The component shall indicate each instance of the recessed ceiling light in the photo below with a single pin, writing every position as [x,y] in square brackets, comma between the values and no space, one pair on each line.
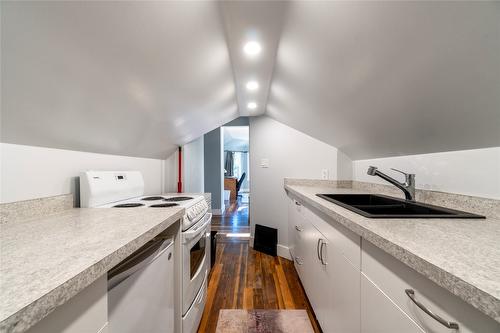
[252,105]
[252,85]
[252,48]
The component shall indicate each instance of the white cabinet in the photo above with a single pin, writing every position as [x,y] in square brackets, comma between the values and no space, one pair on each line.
[341,284]
[141,290]
[294,220]
[331,281]
[380,315]
[394,278]
[346,241]
[296,225]
[311,273]
[365,291]
[86,312]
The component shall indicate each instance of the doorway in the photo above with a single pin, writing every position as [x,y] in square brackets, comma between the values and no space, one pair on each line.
[236,170]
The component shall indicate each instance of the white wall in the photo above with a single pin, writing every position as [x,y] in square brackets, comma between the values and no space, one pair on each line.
[171,173]
[29,172]
[193,170]
[470,172]
[291,154]
[344,166]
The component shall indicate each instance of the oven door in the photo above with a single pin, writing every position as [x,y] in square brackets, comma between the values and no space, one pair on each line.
[194,262]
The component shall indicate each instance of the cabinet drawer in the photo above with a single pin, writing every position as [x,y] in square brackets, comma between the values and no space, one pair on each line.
[339,236]
[393,278]
[380,315]
[298,207]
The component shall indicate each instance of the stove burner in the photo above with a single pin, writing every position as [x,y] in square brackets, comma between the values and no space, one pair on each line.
[163,205]
[129,205]
[152,198]
[179,198]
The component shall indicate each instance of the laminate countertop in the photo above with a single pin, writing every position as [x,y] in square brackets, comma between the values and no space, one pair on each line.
[460,255]
[46,261]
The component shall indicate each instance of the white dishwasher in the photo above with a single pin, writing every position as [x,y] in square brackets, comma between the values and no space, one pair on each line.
[141,290]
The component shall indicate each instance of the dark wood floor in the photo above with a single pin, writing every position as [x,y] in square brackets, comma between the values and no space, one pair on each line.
[235,219]
[246,279]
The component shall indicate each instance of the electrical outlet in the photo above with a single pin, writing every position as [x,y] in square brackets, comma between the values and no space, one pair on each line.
[324,174]
[264,163]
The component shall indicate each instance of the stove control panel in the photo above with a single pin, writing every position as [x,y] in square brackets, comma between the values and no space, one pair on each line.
[197,210]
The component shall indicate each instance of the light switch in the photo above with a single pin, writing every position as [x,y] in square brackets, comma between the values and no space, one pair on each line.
[264,163]
[324,174]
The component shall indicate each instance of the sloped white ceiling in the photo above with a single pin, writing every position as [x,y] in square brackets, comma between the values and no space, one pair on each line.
[128,78]
[253,21]
[377,79]
[373,79]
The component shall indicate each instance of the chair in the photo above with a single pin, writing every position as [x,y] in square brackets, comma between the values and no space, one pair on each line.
[240,181]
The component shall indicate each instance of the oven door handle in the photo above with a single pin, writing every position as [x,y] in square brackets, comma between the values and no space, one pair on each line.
[190,234]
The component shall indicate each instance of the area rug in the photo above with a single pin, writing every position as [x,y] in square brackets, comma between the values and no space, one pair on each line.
[263,321]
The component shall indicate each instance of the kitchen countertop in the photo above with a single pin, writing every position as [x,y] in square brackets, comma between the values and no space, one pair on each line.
[460,255]
[46,261]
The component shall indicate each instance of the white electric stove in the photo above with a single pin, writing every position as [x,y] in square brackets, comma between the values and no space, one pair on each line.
[125,190]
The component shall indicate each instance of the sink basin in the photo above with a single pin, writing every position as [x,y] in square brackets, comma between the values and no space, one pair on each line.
[382,206]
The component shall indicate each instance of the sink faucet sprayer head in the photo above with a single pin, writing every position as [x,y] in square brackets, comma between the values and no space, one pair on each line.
[371,170]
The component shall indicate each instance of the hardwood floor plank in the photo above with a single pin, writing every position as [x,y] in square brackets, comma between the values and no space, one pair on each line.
[212,288]
[242,277]
[279,293]
[237,279]
[269,289]
[298,293]
[246,279]
[248,298]
[284,288]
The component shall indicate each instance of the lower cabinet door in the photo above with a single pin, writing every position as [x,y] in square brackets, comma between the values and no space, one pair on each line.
[380,315]
[341,288]
[311,270]
[321,285]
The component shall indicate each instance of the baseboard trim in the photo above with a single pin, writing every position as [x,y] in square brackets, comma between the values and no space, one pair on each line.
[283,251]
[217,212]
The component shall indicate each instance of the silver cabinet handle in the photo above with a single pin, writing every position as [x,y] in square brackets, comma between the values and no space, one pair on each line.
[298,228]
[448,324]
[297,260]
[321,253]
[317,248]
